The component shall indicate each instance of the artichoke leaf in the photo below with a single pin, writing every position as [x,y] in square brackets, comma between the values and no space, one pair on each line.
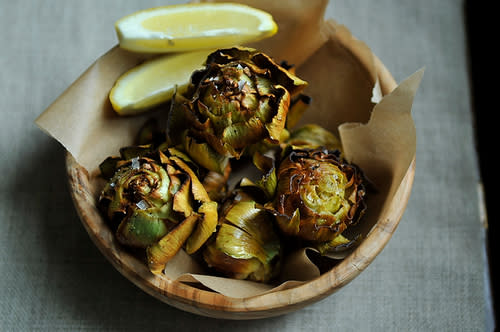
[197,189]
[242,215]
[313,136]
[263,86]
[338,245]
[255,221]
[269,183]
[179,119]
[129,152]
[182,199]
[150,133]
[159,253]
[233,267]
[216,184]
[237,243]
[290,225]
[224,56]
[141,229]
[298,106]
[108,167]
[238,134]
[205,155]
[175,152]
[205,227]
[279,74]
[265,111]
[276,126]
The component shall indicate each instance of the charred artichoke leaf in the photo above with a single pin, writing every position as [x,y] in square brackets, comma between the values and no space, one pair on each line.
[166,150]
[290,224]
[108,167]
[182,201]
[159,253]
[133,151]
[214,182]
[298,106]
[266,164]
[269,183]
[208,210]
[277,124]
[178,120]
[197,190]
[286,78]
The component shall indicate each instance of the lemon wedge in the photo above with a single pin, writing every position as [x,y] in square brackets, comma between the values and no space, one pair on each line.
[194,26]
[153,82]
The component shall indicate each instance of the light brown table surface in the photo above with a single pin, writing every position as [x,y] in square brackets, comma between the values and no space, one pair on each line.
[430,277]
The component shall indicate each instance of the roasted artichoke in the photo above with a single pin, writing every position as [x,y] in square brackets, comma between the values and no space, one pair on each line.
[318,196]
[159,204]
[246,245]
[240,98]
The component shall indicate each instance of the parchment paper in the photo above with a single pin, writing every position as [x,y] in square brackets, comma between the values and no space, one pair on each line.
[343,83]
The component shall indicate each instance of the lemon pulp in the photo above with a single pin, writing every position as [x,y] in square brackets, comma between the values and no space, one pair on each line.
[193,26]
[154,82]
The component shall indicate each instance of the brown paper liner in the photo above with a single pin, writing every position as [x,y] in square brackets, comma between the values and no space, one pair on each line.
[377,131]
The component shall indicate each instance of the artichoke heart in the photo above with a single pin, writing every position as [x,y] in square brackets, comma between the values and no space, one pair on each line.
[246,245]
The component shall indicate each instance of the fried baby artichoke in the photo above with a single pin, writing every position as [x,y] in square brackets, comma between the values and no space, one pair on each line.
[318,196]
[241,97]
[246,245]
[157,203]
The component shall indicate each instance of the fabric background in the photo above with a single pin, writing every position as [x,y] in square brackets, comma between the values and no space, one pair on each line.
[430,276]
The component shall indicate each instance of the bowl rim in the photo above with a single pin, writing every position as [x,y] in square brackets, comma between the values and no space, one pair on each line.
[212,304]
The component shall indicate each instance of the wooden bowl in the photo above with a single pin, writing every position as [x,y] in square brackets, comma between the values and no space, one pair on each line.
[212,304]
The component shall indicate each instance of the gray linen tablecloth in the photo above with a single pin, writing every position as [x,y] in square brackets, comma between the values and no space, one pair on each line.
[430,276]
